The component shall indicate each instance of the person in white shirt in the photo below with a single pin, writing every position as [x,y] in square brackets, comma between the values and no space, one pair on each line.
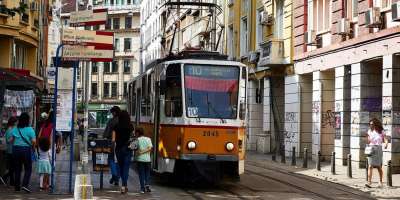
[376,137]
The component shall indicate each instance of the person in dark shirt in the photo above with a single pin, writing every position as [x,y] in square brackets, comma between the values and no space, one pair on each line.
[115,111]
[121,135]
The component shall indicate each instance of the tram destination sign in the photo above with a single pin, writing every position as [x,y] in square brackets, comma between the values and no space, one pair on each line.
[88,53]
[88,17]
[100,39]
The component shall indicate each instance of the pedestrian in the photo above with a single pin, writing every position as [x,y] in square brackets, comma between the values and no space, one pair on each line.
[143,159]
[43,164]
[46,129]
[121,136]
[115,111]
[24,140]
[81,128]
[376,137]
[9,176]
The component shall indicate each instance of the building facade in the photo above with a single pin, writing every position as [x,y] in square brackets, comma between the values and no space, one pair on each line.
[19,36]
[347,65]
[259,34]
[108,81]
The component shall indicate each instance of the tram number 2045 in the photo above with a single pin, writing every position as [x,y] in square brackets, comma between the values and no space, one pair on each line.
[211,133]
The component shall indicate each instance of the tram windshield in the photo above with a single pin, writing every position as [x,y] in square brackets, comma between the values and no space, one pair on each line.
[211,91]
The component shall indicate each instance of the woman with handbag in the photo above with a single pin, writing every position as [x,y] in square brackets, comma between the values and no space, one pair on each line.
[24,140]
[120,137]
[376,137]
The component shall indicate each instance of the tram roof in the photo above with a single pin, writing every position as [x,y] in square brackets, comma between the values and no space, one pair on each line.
[195,55]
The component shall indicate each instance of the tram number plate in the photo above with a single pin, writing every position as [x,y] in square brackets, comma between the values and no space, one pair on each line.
[210,133]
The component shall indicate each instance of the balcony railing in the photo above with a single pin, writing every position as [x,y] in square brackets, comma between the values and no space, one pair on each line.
[272,53]
[36,23]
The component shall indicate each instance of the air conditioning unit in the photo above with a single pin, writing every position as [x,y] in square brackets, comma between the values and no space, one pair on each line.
[266,19]
[34,6]
[310,37]
[373,17]
[396,11]
[343,27]
[272,53]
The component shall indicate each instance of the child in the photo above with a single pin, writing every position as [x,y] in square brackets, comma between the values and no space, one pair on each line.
[43,164]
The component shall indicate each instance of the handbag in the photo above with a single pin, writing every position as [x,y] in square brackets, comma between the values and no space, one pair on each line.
[33,152]
[369,151]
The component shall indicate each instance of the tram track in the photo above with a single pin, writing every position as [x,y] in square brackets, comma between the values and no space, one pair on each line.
[301,178]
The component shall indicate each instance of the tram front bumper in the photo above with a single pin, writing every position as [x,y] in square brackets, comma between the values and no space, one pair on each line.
[209,157]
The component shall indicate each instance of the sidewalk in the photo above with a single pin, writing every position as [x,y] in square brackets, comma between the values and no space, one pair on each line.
[358,181]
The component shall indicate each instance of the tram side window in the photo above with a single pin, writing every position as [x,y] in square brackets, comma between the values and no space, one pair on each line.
[145,99]
[173,93]
[133,98]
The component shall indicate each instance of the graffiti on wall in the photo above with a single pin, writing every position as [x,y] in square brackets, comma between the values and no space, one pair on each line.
[338,125]
[291,117]
[316,107]
[328,119]
[387,103]
[372,104]
[290,137]
[387,117]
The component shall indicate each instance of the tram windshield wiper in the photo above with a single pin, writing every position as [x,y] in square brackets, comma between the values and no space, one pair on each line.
[209,104]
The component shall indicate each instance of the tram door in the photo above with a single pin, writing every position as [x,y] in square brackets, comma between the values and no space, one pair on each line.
[156,128]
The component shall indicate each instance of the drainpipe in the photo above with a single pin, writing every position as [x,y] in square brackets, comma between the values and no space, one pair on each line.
[305,20]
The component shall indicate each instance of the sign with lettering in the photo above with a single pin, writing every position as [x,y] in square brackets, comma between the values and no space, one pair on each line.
[101,39]
[88,17]
[88,53]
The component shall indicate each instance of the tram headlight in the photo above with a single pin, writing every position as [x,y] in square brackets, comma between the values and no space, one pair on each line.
[229,146]
[191,145]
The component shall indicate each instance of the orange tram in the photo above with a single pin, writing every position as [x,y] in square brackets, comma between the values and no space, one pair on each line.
[193,106]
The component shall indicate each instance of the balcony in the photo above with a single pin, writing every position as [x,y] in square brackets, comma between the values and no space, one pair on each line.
[124,53]
[272,53]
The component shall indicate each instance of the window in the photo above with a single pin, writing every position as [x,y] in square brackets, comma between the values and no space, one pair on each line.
[106,90]
[116,23]
[78,73]
[259,28]
[128,22]
[127,66]
[114,67]
[173,93]
[243,37]
[116,44]
[88,28]
[114,89]
[260,91]
[107,68]
[108,23]
[94,90]
[321,15]
[231,39]
[382,3]
[112,2]
[127,44]
[96,27]
[94,68]
[128,2]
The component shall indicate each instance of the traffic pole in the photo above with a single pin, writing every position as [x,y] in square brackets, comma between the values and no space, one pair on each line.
[71,153]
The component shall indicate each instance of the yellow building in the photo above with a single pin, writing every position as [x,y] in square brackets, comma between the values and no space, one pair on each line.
[19,35]
[259,33]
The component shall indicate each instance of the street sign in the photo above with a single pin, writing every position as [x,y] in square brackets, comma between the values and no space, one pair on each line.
[51,73]
[89,53]
[88,17]
[101,39]
[64,110]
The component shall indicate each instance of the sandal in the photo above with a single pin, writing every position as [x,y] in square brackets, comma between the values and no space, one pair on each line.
[368,185]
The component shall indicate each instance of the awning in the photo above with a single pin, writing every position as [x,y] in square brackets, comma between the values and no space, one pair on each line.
[19,79]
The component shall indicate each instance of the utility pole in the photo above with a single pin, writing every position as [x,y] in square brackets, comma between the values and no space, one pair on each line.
[214,27]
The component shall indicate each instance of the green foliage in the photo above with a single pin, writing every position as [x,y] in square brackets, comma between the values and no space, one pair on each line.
[12,11]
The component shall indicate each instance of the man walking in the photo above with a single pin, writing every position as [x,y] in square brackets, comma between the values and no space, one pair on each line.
[107,135]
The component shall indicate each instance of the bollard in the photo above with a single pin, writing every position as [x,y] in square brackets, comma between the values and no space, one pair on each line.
[319,161]
[293,156]
[349,170]
[274,156]
[305,158]
[333,163]
[389,174]
[283,159]
[366,169]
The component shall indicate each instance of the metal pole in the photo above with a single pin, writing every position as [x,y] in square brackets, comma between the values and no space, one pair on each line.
[333,163]
[389,174]
[283,158]
[349,170]
[53,152]
[71,153]
[214,27]
[305,158]
[85,141]
[366,169]
[293,156]
[319,161]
